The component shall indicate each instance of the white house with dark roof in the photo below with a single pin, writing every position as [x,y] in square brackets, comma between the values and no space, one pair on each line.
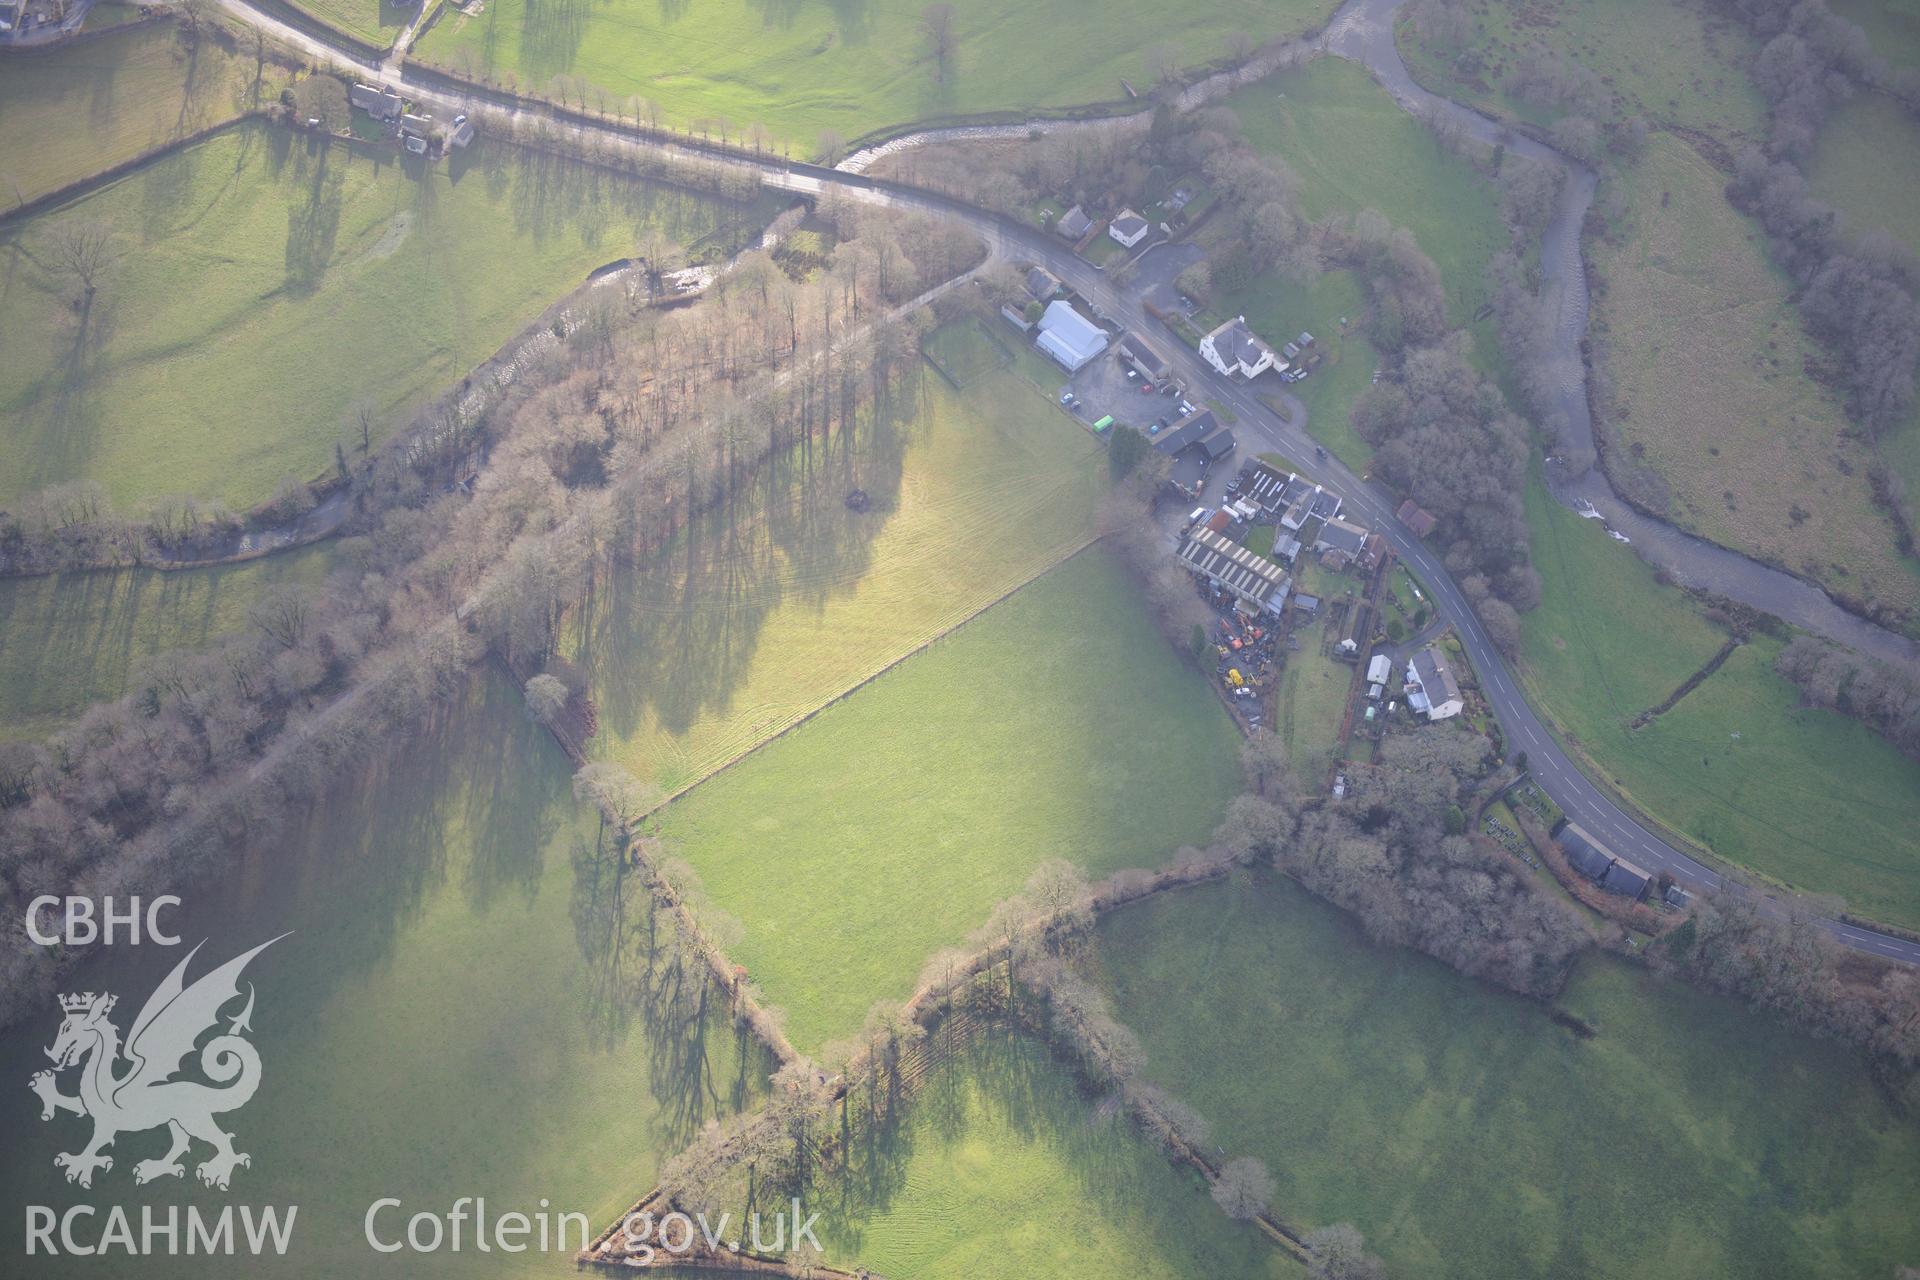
[1128,228]
[1237,351]
[1431,688]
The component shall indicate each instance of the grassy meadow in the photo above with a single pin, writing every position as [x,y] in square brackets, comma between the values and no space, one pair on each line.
[772,608]
[1866,164]
[77,638]
[73,111]
[1001,1169]
[375,21]
[1470,1133]
[1717,419]
[1056,725]
[1675,61]
[265,282]
[1352,148]
[1799,794]
[457,1012]
[802,69]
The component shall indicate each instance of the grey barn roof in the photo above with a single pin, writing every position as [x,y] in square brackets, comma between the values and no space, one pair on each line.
[1587,857]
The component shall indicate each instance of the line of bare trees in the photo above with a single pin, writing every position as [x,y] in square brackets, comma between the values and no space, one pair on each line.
[676,408]
[1885,700]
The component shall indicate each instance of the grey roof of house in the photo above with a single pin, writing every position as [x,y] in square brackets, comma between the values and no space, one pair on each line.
[1129,223]
[1042,284]
[1338,535]
[1245,573]
[1189,430]
[1306,603]
[376,100]
[1073,223]
[1235,341]
[1143,353]
[1325,505]
[1435,677]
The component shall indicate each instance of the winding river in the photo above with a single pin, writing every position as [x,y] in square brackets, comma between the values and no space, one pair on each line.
[1362,30]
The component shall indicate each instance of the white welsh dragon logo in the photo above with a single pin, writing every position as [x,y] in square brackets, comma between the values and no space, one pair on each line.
[144,1095]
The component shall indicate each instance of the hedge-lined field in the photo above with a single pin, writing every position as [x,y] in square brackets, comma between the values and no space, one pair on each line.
[1056,725]
[1471,1133]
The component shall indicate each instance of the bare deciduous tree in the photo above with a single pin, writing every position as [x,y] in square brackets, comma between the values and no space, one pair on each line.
[1339,1252]
[546,698]
[82,252]
[1244,1188]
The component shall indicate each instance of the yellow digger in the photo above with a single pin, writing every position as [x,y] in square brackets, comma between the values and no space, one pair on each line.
[1234,678]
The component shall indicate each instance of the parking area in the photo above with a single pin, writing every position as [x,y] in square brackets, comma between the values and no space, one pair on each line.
[1154,275]
[1106,387]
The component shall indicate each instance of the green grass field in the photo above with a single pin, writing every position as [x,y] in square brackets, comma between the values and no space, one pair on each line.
[71,112]
[1467,1134]
[1354,148]
[1675,61]
[375,21]
[75,639]
[1708,357]
[454,1014]
[783,604]
[1867,165]
[1737,765]
[965,351]
[799,70]
[265,283]
[1056,725]
[1001,1169]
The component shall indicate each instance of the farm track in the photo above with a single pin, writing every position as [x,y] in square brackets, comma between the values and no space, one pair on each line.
[1361,31]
